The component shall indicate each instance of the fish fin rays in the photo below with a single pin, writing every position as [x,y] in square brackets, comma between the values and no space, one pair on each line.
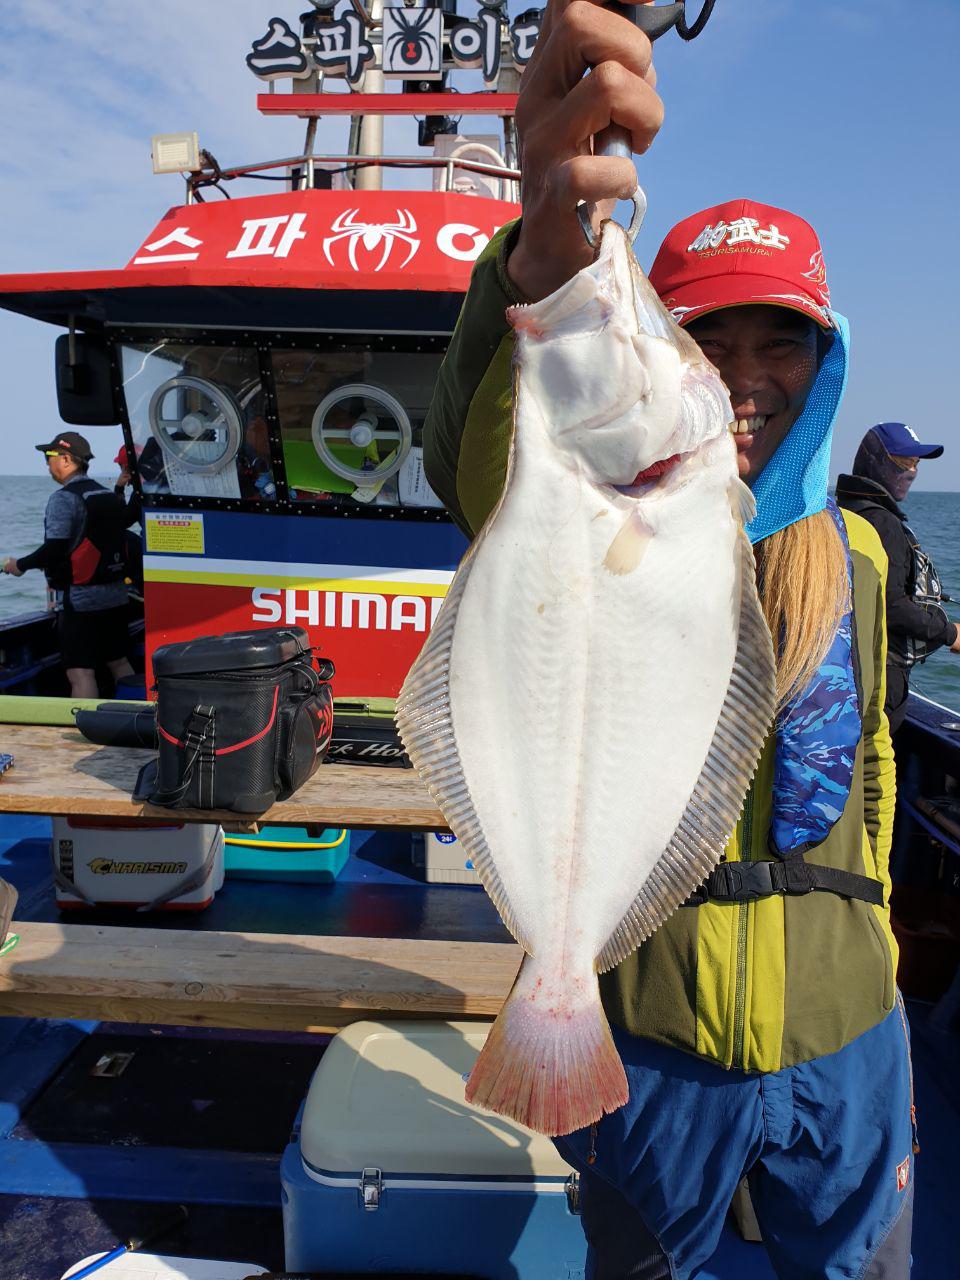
[628,546]
[742,502]
[553,1068]
[717,800]
[425,723]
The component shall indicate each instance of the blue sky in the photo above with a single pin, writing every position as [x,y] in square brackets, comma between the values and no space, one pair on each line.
[845,111]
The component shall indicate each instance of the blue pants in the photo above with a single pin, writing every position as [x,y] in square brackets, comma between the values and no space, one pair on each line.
[827,1147]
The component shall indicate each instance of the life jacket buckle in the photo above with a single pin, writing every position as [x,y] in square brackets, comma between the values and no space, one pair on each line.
[741,881]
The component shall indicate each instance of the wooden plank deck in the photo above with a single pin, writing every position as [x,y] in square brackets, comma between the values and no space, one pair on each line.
[57,771]
[268,982]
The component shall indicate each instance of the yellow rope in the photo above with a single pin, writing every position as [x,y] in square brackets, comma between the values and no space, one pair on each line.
[283,844]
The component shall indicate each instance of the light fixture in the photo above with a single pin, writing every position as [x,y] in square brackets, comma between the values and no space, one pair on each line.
[175,152]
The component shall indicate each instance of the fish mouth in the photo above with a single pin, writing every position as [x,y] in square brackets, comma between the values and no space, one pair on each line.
[656,470]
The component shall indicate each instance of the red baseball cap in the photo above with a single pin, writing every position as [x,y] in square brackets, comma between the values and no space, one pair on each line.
[738,253]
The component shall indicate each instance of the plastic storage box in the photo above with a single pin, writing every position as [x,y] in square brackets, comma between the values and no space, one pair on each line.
[288,853]
[443,859]
[110,862]
[391,1170]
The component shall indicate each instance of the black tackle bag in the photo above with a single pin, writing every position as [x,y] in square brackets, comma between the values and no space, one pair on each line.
[243,720]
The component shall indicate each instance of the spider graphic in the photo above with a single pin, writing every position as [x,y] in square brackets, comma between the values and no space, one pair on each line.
[413,43]
[371,234]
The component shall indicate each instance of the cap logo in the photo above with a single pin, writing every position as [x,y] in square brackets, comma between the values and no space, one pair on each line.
[911,433]
[817,275]
[742,231]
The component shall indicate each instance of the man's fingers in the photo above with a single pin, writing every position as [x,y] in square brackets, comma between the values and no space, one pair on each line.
[583,37]
[593,178]
[608,94]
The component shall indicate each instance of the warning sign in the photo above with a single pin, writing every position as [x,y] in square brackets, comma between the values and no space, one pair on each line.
[175,533]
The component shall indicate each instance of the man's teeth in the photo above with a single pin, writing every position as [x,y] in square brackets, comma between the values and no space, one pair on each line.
[744,426]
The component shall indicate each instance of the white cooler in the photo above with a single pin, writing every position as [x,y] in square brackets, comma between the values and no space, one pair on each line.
[169,866]
[391,1170]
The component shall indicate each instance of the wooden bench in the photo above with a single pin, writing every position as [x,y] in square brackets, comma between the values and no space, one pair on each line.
[270,982]
[58,772]
[263,981]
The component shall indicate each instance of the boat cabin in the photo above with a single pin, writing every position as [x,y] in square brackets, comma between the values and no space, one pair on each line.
[271,358]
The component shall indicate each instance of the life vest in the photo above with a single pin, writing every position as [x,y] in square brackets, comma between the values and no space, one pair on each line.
[99,558]
[925,587]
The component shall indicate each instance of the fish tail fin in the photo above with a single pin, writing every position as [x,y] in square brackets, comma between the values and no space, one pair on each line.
[550,1065]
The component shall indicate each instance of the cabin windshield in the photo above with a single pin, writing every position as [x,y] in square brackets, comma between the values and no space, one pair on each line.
[198,418]
[351,422]
[293,428]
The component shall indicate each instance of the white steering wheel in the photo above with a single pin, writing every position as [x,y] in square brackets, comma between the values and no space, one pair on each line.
[381,418]
[210,435]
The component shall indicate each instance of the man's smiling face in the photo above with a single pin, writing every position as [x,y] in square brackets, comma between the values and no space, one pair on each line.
[768,357]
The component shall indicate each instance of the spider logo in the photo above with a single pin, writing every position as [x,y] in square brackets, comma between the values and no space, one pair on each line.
[372,234]
[412,44]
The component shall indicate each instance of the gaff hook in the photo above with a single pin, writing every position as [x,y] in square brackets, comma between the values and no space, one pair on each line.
[654,20]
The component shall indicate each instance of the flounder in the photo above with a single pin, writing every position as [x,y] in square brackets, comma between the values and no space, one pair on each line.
[590,706]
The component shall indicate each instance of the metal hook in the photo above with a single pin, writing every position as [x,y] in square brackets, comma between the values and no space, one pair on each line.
[639,199]
[654,20]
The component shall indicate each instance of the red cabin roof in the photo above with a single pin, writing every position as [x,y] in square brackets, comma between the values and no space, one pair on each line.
[308,254]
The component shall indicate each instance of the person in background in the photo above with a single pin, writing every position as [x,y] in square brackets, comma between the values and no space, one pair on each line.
[883,471]
[133,548]
[82,555]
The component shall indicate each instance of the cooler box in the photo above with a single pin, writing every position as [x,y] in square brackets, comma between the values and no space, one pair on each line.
[167,866]
[391,1170]
[291,854]
[443,859]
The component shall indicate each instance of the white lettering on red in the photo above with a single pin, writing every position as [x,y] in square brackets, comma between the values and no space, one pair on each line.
[259,234]
[353,603]
[263,600]
[181,237]
[447,235]
[310,615]
[408,611]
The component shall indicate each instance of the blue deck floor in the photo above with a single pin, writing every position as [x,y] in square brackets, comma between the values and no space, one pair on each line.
[83,1166]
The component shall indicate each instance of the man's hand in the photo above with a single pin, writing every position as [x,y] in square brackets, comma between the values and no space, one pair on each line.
[955,647]
[10,566]
[558,112]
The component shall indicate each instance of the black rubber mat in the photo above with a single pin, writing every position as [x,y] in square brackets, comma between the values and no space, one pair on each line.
[223,1092]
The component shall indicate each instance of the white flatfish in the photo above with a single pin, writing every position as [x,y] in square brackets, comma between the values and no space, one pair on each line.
[591,704]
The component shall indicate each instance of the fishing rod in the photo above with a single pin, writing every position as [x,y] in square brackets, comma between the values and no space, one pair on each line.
[654,20]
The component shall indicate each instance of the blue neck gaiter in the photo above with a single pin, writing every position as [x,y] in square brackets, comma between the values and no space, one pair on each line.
[793,484]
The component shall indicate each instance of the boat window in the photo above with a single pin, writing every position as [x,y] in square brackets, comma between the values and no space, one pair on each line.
[197,414]
[352,424]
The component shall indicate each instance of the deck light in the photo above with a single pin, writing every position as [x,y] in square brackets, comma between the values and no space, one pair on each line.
[175,152]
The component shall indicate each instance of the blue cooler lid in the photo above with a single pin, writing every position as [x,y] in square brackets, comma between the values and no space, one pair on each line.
[390,1096]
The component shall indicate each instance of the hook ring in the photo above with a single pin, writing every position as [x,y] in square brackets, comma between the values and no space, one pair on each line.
[639,199]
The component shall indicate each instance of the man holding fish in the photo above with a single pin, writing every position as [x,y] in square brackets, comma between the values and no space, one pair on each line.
[602,675]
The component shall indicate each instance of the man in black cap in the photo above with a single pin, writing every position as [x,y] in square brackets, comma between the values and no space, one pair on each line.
[83,558]
[883,471]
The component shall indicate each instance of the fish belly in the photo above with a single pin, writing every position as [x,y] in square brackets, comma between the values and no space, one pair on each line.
[584,702]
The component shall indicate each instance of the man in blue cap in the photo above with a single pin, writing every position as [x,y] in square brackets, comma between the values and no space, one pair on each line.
[883,471]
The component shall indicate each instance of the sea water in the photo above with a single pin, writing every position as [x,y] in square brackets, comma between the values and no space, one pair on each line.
[934,517]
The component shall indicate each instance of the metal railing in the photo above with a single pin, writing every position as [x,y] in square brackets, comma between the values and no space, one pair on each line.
[309,164]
